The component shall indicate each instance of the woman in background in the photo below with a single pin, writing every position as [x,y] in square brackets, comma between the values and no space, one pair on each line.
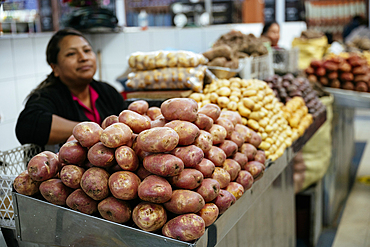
[68,95]
[271,32]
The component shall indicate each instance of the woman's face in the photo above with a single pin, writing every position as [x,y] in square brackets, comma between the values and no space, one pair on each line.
[274,34]
[76,61]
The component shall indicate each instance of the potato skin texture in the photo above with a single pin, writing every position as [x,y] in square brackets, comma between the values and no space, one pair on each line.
[24,184]
[126,158]
[109,121]
[71,176]
[206,167]
[187,131]
[216,155]
[190,155]
[54,191]
[222,176]
[94,183]
[232,167]
[229,147]
[241,158]
[115,210]
[203,122]
[87,133]
[211,110]
[180,109]
[255,168]
[158,140]
[101,156]
[209,213]
[224,201]
[237,138]
[187,227]
[184,201]
[153,112]
[204,141]
[155,189]
[249,150]
[79,201]
[149,216]
[236,189]
[124,185]
[72,153]
[116,135]
[134,120]
[165,165]
[227,124]
[245,179]
[218,133]
[43,166]
[188,179]
[139,106]
[209,189]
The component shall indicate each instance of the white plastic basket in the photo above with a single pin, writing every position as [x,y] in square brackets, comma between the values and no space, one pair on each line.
[12,163]
[257,67]
[285,61]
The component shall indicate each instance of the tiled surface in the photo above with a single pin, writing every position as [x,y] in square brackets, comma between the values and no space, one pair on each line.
[8,100]
[6,60]
[354,227]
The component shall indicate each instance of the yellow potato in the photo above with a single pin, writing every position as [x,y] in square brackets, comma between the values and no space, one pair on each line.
[233,106]
[249,93]
[264,136]
[263,123]
[244,121]
[223,101]
[264,145]
[248,103]
[198,97]
[243,111]
[257,106]
[234,98]
[213,97]
[253,124]
[224,91]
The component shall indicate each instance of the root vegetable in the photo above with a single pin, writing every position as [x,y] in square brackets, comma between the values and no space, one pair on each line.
[124,185]
[25,185]
[115,210]
[79,201]
[71,176]
[149,217]
[155,189]
[94,183]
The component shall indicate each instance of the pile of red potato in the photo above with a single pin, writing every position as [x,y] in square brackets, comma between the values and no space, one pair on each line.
[173,169]
[350,73]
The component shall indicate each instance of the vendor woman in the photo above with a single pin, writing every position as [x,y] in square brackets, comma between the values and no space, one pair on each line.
[68,95]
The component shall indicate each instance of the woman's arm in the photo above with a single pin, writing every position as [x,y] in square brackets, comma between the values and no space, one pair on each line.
[61,129]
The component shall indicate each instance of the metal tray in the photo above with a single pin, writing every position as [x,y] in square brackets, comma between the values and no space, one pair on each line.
[41,222]
[347,98]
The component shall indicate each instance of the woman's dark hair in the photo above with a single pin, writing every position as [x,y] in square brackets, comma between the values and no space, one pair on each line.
[267,27]
[52,51]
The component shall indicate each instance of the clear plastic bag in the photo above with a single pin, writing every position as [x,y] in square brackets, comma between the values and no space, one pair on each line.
[165,59]
[167,78]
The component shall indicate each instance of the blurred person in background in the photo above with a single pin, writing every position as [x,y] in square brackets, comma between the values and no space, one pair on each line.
[271,33]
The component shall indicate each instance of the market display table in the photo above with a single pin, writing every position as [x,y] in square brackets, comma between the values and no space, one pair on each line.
[263,216]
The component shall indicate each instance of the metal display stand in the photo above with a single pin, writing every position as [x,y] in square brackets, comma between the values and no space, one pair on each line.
[263,216]
[336,180]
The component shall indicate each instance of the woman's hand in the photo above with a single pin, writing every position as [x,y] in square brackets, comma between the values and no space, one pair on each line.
[61,130]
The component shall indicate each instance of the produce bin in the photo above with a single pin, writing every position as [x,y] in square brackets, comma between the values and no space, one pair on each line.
[285,61]
[257,67]
[12,163]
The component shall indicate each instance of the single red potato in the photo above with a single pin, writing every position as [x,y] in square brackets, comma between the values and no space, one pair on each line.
[237,138]
[260,156]
[116,135]
[180,109]
[79,201]
[227,124]
[222,176]
[139,106]
[245,179]
[249,150]
[54,191]
[134,120]
[187,179]
[209,213]
[255,168]
[204,141]
[190,155]
[229,147]
[115,210]
[43,166]
[184,201]
[94,183]
[244,131]
[224,200]
[206,167]
[211,110]
[124,185]
[126,158]
[87,133]
[71,176]
[187,131]
[101,156]
[241,158]
[216,155]
[209,189]
[160,121]
[203,122]
[153,112]
[232,167]
[149,216]
[72,153]
[236,189]
[158,140]
[24,184]
[187,227]
[109,121]
[255,139]
[218,133]
[155,189]
[165,165]
[234,117]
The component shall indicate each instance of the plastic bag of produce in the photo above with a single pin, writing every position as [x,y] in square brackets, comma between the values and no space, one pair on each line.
[167,78]
[317,151]
[310,49]
[165,59]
